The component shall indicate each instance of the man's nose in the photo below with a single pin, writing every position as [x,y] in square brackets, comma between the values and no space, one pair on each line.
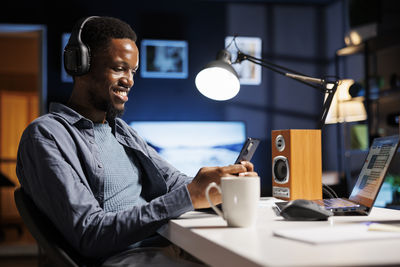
[127,81]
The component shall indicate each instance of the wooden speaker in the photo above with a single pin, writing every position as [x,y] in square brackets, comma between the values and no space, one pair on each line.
[296,164]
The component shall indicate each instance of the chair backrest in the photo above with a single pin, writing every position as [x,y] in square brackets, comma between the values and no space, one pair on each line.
[46,234]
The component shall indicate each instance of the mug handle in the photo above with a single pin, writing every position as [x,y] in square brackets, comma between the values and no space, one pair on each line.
[215,208]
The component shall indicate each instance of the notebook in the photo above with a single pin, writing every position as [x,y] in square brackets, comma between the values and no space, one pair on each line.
[369,181]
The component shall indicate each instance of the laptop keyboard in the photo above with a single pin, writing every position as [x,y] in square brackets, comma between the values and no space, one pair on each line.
[332,203]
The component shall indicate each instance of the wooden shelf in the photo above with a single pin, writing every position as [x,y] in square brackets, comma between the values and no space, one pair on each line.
[377,43]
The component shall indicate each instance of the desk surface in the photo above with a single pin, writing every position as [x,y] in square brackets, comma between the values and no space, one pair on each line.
[208,237]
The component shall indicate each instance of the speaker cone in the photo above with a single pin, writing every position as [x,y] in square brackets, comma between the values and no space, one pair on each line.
[280,169]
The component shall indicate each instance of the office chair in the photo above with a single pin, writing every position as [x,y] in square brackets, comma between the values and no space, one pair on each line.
[6,182]
[48,237]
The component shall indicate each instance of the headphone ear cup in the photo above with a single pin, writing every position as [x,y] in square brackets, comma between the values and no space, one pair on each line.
[70,60]
[85,59]
[77,59]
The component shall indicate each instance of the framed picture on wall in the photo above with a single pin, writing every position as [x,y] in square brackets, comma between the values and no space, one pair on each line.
[249,73]
[164,59]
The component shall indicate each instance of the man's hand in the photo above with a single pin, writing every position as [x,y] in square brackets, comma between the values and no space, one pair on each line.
[206,175]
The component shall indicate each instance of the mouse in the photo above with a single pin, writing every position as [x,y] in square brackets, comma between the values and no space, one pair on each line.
[304,210]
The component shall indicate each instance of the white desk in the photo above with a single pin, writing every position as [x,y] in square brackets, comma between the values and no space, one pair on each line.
[207,237]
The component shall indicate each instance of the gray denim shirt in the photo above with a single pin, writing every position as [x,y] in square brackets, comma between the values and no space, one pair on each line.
[59,167]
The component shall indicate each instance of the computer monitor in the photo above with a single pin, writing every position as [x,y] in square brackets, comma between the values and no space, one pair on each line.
[190,145]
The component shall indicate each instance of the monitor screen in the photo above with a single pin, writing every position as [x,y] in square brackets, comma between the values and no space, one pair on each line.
[190,145]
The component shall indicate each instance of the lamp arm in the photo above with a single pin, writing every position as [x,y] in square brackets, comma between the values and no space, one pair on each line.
[276,68]
[319,84]
[242,56]
[327,105]
[286,74]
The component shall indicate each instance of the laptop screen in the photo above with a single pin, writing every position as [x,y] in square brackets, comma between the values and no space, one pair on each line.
[385,198]
[374,170]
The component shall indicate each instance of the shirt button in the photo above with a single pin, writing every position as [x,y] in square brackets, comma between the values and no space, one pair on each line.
[99,165]
[90,141]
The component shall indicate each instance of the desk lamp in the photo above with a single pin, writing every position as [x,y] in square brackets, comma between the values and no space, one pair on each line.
[296,154]
[218,80]
[344,108]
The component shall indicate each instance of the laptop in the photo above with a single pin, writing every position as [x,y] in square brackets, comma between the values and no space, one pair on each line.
[369,181]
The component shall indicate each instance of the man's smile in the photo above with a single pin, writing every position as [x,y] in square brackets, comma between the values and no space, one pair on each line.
[121,93]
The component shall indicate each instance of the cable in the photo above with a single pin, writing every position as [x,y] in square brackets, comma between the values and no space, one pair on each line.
[329,191]
[233,41]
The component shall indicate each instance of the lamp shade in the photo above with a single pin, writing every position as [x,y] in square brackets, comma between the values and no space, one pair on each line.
[344,108]
[218,80]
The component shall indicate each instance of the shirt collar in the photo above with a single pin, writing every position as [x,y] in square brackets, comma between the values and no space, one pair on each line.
[72,116]
[65,112]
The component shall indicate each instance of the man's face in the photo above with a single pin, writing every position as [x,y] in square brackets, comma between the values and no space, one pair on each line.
[111,76]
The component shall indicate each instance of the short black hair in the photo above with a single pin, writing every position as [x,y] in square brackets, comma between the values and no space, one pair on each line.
[98,32]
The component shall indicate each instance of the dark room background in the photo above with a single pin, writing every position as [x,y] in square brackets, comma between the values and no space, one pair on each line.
[301,35]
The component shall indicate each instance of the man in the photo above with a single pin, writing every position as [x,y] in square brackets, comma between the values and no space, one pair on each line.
[101,185]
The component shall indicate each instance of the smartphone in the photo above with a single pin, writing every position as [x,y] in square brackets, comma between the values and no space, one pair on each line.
[248,150]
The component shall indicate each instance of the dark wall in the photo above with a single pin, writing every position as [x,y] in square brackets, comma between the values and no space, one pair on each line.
[150,19]
[175,20]
[292,35]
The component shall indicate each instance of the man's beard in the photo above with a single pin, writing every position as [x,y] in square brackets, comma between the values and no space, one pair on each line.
[107,107]
[113,113]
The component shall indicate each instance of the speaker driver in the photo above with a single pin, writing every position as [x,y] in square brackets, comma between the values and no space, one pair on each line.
[280,143]
[280,170]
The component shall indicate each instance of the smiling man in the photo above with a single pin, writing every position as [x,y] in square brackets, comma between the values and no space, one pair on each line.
[104,90]
[100,184]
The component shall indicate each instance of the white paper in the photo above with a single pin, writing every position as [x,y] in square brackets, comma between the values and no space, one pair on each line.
[335,233]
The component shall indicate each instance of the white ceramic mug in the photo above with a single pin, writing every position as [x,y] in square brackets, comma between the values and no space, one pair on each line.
[240,196]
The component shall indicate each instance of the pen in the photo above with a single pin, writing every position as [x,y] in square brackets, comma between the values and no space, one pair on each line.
[383,227]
